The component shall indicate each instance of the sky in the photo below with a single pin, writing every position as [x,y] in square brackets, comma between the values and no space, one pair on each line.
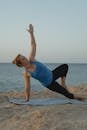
[60,29]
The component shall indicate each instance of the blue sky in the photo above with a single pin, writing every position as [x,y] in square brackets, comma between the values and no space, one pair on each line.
[60,29]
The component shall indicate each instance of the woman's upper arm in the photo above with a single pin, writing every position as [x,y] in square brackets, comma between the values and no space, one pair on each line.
[26,74]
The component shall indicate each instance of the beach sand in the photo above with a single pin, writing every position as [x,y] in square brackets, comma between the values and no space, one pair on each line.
[51,117]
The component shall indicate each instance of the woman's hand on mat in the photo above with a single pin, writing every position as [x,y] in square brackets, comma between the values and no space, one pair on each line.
[27,100]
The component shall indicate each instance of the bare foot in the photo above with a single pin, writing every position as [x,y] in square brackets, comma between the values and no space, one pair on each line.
[80,98]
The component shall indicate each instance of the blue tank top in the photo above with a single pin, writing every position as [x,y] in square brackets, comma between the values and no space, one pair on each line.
[42,73]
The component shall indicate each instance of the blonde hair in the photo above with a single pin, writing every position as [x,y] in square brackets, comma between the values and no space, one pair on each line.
[17,61]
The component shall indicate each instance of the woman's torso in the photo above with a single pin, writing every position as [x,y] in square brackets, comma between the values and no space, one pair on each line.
[41,72]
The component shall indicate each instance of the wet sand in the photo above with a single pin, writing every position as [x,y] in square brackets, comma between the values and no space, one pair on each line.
[52,117]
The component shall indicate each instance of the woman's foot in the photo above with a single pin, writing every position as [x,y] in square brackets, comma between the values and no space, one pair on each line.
[77,97]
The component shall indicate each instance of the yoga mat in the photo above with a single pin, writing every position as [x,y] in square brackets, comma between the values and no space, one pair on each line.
[45,101]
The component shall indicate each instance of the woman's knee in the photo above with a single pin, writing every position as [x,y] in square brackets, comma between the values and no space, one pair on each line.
[65,69]
[65,66]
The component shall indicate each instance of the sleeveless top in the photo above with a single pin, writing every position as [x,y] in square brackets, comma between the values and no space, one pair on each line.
[41,73]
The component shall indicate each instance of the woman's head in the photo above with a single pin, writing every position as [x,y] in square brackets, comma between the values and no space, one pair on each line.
[20,60]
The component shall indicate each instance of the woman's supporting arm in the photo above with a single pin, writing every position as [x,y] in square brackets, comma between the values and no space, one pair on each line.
[27,86]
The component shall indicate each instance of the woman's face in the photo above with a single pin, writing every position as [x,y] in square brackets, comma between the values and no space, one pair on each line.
[23,60]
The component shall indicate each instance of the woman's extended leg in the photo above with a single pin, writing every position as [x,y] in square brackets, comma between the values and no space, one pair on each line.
[59,89]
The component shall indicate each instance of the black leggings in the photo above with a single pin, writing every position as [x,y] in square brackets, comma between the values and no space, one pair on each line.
[60,71]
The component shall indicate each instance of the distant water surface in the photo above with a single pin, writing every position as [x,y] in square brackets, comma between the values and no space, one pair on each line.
[11,77]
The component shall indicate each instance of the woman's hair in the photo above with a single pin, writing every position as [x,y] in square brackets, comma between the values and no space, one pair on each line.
[17,61]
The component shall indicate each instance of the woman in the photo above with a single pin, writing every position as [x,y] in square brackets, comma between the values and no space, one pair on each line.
[41,72]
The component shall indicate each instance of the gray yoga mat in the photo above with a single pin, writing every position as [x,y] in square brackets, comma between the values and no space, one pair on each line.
[44,101]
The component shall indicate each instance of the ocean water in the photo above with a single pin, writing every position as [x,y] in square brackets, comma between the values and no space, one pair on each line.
[11,77]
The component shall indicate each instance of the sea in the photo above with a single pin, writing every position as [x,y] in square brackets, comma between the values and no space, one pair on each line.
[11,77]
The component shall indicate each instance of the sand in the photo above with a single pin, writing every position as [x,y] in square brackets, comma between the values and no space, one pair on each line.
[53,117]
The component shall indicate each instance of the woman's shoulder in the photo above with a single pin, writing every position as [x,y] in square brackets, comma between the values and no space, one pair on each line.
[26,72]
